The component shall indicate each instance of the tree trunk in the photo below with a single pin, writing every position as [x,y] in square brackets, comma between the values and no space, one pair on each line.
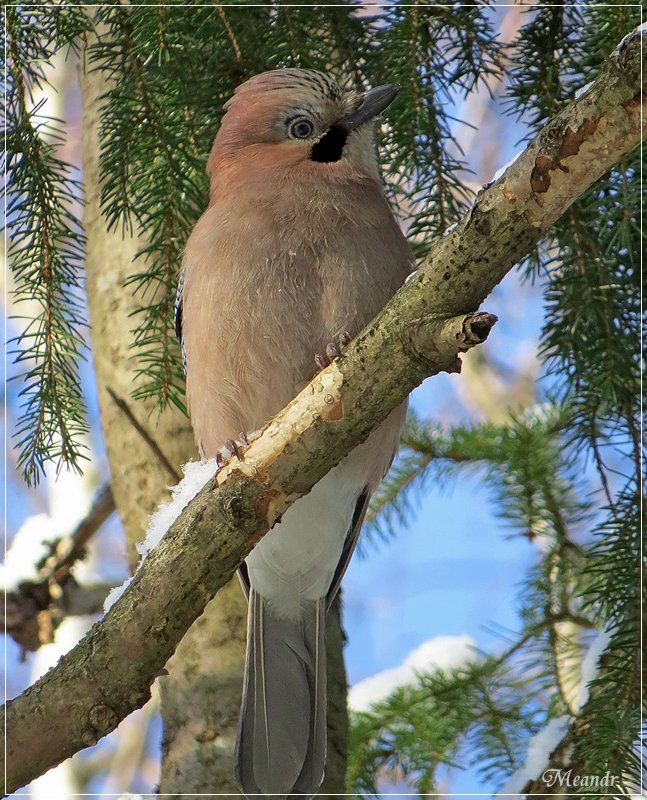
[200,697]
[205,674]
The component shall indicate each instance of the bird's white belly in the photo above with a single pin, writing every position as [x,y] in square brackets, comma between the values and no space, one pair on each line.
[296,560]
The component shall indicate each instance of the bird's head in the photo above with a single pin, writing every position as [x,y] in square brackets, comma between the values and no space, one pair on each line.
[300,117]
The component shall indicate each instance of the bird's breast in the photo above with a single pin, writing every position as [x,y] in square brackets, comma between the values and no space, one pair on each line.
[270,280]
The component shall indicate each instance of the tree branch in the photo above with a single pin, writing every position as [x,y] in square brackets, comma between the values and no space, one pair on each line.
[34,609]
[419,333]
[72,547]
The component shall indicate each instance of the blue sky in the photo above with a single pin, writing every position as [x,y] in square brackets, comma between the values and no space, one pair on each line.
[455,569]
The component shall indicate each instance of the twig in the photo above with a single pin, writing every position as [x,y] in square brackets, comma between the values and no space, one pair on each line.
[102,507]
[123,406]
[35,608]
[229,29]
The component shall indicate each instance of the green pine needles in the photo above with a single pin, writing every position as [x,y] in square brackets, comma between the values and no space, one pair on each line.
[46,249]
[447,51]
[588,572]
[168,72]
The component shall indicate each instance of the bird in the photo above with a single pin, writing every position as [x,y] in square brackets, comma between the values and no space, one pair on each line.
[296,252]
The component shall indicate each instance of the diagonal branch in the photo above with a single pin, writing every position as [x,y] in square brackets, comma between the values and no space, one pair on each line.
[419,333]
[35,608]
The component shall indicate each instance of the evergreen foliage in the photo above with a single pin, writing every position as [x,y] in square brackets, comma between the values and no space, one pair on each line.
[45,247]
[169,71]
[589,570]
[448,52]
[419,727]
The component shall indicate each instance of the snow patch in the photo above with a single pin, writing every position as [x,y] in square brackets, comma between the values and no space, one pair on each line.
[626,39]
[439,653]
[499,173]
[196,475]
[27,548]
[583,90]
[114,594]
[540,747]
[591,665]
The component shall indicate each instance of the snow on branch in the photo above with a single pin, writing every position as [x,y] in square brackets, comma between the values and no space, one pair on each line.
[419,333]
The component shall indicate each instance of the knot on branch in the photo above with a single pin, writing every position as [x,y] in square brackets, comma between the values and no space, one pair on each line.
[233,507]
[103,719]
[476,328]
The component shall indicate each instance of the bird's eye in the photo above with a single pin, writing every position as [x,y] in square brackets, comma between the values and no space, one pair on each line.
[301,129]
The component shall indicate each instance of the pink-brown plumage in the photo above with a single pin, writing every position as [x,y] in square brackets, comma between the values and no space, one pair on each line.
[290,253]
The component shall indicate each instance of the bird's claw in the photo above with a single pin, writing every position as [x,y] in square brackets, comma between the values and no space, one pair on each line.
[235,447]
[333,350]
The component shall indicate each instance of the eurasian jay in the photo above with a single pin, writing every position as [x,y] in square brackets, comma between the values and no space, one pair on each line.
[296,252]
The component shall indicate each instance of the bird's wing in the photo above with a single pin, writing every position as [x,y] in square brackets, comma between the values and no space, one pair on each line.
[178,316]
[243,577]
[349,546]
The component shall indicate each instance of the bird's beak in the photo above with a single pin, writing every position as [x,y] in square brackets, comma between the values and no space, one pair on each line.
[374,102]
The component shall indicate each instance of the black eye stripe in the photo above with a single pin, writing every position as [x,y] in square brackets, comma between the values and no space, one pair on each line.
[330,147]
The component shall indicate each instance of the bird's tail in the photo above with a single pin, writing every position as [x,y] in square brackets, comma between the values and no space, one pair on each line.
[281,747]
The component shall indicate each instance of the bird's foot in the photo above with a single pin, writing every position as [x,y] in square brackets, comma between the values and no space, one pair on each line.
[235,447]
[333,350]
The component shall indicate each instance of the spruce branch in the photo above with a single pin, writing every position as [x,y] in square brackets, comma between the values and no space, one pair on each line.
[484,703]
[449,51]
[590,347]
[419,332]
[546,63]
[537,493]
[593,738]
[593,292]
[46,250]
[522,461]
[589,343]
